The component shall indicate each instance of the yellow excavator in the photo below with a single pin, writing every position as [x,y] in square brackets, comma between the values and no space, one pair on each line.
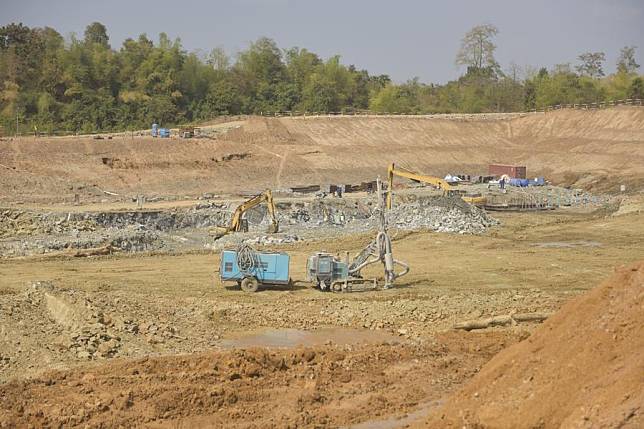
[237,222]
[448,189]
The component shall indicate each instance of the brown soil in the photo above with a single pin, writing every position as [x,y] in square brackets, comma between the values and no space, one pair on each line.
[306,387]
[154,339]
[596,150]
[101,315]
[584,367]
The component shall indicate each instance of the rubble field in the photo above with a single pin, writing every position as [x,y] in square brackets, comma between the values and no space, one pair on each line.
[26,231]
[34,232]
[149,322]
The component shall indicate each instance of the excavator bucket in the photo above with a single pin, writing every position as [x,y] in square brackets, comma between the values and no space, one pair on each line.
[476,200]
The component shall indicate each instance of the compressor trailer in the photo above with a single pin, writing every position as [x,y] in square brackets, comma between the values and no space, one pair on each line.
[251,269]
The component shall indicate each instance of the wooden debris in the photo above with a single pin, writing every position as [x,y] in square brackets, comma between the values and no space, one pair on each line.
[508,319]
[95,251]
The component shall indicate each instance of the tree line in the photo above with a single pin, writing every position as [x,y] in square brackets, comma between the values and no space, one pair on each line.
[51,84]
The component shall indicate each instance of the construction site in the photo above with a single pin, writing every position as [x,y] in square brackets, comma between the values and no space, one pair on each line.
[372,271]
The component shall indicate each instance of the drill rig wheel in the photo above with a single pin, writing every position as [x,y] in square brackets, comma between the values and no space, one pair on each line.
[323,285]
[249,284]
[337,286]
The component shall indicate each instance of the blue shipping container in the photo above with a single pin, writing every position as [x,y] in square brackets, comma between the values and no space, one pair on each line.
[270,268]
[164,132]
[519,182]
[538,181]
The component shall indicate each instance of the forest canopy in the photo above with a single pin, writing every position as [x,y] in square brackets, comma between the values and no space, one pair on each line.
[84,84]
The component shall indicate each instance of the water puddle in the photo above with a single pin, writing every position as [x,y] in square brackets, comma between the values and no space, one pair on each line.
[568,244]
[286,338]
[399,422]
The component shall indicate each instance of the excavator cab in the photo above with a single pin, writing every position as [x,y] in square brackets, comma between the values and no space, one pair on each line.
[239,223]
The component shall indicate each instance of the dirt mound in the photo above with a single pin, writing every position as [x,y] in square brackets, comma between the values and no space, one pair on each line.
[596,150]
[582,368]
[629,205]
[304,387]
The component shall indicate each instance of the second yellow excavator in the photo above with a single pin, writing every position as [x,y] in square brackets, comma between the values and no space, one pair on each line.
[237,222]
[448,189]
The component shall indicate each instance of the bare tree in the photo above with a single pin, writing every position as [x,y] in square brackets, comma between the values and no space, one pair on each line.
[529,72]
[626,62]
[591,64]
[477,48]
[218,59]
[562,68]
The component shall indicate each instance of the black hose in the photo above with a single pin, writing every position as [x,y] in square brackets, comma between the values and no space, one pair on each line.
[247,259]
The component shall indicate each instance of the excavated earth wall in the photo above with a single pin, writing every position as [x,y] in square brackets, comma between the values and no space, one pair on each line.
[594,150]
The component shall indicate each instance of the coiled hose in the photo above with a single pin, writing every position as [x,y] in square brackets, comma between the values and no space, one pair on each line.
[246,258]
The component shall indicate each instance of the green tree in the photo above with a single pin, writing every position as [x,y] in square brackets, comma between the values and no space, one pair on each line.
[637,88]
[397,99]
[222,99]
[626,62]
[258,71]
[96,33]
[85,85]
[329,88]
[591,64]
[300,65]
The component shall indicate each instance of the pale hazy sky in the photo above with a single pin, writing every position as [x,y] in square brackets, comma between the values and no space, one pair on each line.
[403,38]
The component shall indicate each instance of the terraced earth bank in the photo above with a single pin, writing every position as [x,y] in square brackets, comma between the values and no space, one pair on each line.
[595,150]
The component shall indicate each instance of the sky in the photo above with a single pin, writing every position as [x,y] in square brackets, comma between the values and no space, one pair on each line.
[403,38]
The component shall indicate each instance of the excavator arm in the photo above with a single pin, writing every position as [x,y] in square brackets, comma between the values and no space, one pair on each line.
[436,181]
[271,211]
[266,196]
[236,221]
[448,189]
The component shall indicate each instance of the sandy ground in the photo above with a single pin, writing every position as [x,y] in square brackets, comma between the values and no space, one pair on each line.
[596,150]
[582,368]
[154,339]
[398,354]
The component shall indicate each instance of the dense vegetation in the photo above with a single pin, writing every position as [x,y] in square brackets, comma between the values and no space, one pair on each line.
[84,85]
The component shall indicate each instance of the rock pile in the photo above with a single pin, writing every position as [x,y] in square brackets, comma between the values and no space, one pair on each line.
[27,232]
[443,214]
[128,239]
[19,223]
[268,239]
[91,343]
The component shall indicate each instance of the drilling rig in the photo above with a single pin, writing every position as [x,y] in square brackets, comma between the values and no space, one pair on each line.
[332,273]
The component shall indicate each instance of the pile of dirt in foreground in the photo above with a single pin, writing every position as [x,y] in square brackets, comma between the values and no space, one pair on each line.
[324,386]
[583,368]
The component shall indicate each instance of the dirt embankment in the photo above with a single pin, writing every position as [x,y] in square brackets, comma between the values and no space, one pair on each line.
[583,368]
[592,149]
[325,386]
